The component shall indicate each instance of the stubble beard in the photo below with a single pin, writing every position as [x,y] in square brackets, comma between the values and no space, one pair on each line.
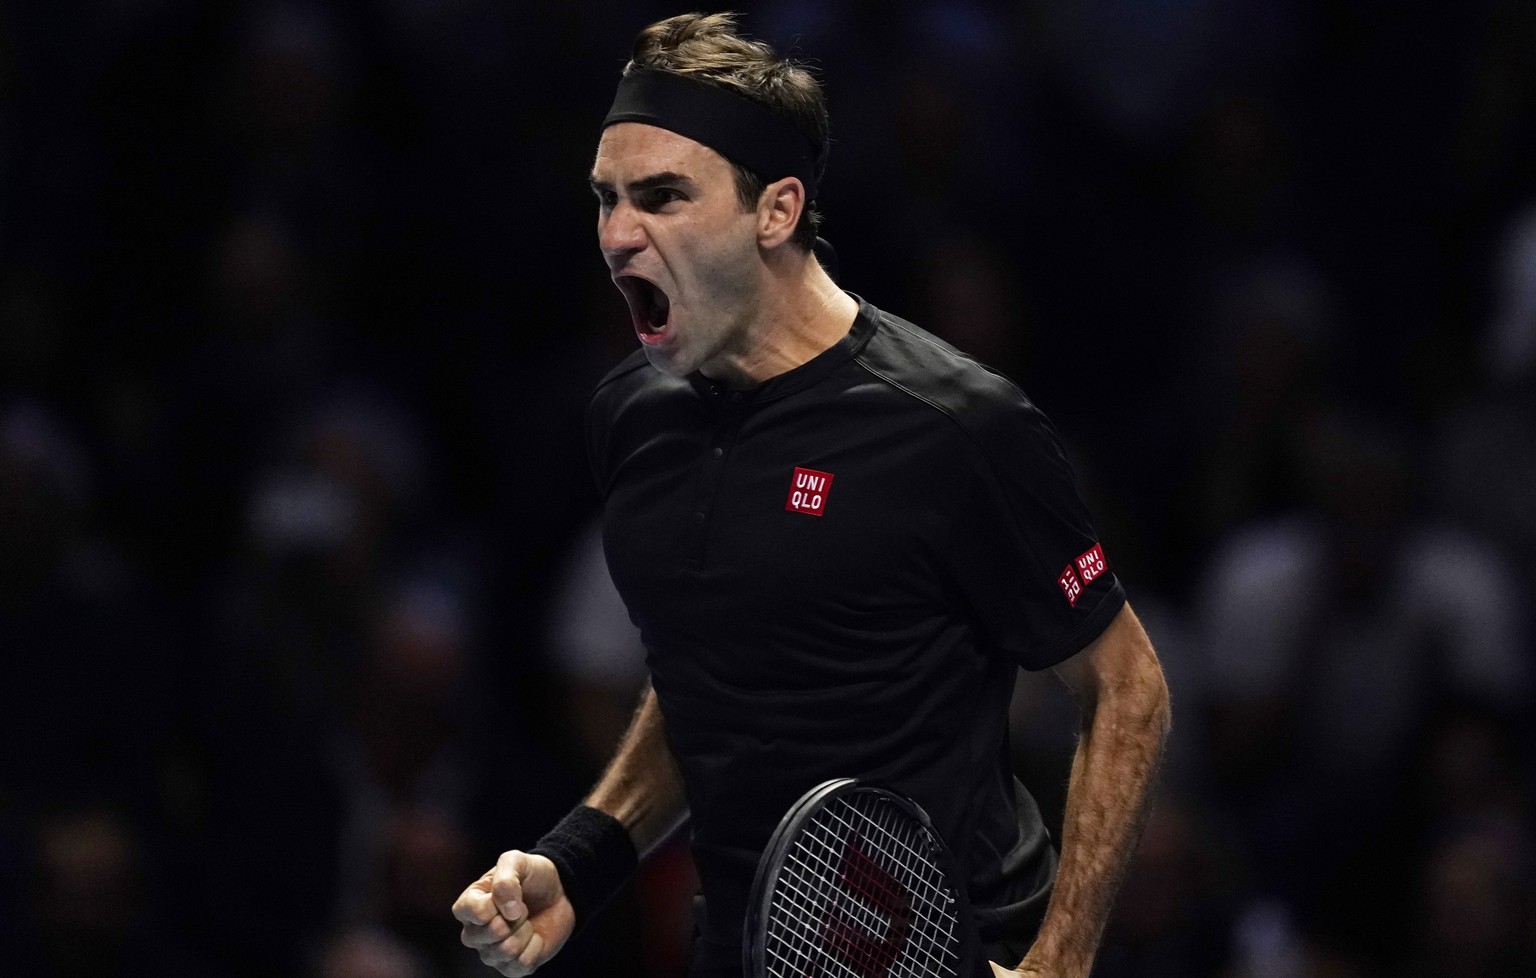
[711,337]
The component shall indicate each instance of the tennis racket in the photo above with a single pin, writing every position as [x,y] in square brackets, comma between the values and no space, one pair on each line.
[855,883]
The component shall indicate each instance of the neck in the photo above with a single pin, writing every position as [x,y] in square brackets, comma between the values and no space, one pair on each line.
[799,313]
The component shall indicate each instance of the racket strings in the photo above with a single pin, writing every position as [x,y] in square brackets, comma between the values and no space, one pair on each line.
[861,895]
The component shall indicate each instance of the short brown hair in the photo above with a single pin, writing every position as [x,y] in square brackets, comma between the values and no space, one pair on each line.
[707,47]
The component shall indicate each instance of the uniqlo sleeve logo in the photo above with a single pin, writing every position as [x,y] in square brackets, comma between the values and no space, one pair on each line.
[1091,564]
[1070,585]
[808,491]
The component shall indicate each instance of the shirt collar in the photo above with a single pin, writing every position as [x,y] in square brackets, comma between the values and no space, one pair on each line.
[801,377]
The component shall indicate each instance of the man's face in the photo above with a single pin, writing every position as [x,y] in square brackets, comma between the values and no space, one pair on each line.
[679,246]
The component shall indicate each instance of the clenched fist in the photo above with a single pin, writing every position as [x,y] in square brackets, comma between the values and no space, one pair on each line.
[516,915]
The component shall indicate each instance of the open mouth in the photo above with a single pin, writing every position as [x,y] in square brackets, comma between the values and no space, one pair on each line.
[649,306]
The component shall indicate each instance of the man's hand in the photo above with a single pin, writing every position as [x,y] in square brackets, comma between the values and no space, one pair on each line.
[516,915]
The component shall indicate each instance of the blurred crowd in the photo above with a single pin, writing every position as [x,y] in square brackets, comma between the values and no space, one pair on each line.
[303,618]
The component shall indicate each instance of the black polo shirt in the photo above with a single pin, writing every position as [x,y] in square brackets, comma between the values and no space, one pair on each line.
[835,574]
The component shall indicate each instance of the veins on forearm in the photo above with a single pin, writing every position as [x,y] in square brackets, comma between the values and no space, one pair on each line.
[1113,772]
[642,787]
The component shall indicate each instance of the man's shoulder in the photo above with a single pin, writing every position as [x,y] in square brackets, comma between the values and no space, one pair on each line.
[632,380]
[632,401]
[626,373]
[980,400]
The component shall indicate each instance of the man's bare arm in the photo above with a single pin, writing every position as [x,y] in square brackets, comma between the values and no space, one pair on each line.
[642,787]
[1119,686]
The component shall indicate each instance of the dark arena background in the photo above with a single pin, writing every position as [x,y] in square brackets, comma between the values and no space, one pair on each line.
[301,621]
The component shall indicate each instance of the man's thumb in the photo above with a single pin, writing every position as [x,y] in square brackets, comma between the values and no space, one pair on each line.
[507,884]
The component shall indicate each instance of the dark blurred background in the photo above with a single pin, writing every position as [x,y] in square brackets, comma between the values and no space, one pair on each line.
[302,617]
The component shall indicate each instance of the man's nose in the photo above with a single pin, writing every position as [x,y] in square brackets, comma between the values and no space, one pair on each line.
[620,233]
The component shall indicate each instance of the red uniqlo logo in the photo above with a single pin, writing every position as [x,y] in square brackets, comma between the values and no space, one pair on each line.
[1070,585]
[808,492]
[1091,564]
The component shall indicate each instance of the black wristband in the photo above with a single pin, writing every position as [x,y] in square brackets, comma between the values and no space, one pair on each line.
[594,855]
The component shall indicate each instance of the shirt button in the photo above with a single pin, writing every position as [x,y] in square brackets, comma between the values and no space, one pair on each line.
[718,452]
[698,517]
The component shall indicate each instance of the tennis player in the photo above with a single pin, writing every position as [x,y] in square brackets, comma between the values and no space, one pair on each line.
[839,537]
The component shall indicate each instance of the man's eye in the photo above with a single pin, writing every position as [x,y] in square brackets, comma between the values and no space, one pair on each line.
[606,199]
[660,197]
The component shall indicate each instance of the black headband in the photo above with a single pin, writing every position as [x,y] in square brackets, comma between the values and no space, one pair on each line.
[732,125]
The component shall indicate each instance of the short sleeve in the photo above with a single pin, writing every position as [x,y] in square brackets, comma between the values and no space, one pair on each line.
[1025,556]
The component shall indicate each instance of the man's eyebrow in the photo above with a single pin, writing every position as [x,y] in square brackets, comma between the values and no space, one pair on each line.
[663,179]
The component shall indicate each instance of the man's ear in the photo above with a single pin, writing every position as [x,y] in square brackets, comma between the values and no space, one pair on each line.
[778,211]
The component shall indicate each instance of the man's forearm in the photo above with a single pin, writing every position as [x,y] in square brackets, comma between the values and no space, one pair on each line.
[641,786]
[1118,757]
